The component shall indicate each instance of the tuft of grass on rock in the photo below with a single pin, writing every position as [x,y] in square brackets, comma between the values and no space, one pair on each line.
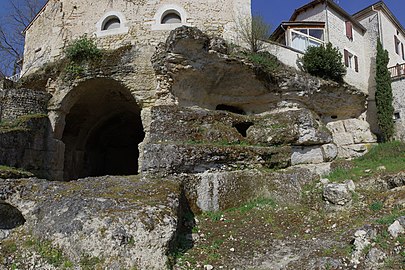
[389,155]
[13,173]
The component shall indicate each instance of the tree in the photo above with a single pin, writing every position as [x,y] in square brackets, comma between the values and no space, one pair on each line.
[21,12]
[325,62]
[252,31]
[383,94]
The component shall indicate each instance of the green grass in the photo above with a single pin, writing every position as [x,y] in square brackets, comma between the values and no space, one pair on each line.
[266,60]
[390,155]
[243,209]
[89,263]
[49,253]
[376,206]
[390,218]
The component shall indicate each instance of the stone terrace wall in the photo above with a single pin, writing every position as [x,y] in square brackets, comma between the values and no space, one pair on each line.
[18,102]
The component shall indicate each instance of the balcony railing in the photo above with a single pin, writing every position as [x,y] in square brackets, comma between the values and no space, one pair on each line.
[397,71]
[14,78]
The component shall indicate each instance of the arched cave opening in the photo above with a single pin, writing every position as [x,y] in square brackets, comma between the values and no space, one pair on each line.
[102,131]
[11,217]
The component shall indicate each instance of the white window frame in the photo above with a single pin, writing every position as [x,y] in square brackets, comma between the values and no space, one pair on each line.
[306,36]
[162,11]
[123,29]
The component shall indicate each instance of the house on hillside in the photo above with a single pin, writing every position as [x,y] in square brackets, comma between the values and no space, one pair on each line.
[355,35]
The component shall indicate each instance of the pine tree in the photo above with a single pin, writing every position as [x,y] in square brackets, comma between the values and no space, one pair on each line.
[383,95]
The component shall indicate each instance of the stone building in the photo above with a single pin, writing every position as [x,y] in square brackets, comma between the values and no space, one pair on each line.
[116,23]
[323,21]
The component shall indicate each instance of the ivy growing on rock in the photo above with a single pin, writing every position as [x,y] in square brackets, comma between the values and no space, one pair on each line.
[383,95]
[324,62]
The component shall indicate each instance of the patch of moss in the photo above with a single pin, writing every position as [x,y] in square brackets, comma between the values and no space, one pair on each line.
[20,124]
[13,173]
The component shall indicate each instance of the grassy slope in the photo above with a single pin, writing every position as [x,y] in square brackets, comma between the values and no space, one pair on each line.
[263,228]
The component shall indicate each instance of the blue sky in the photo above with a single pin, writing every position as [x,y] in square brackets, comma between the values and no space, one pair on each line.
[276,11]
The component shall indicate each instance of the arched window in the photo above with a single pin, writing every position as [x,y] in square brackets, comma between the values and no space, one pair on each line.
[111,23]
[171,17]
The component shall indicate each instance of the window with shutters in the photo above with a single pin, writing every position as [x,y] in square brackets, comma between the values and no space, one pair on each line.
[351,60]
[349,30]
[397,44]
[402,49]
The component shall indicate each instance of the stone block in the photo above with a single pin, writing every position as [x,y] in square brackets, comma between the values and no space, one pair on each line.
[337,194]
[330,151]
[306,155]
[353,150]
[360,131]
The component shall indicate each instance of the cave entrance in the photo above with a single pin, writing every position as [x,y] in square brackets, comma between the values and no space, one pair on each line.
[102,131]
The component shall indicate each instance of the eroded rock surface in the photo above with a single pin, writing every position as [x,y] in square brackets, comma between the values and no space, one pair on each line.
[192,71]
[122,221]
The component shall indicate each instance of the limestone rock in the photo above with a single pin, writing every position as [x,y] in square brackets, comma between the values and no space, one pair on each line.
[122,221]
[195,74]
[306,155]
[337,194]
[396,229]
[360,131]
[353,150]
[375,256]
[330,152]
[213,191]
[362,239]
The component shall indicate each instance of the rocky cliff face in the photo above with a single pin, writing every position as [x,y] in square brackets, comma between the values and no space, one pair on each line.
[221,130]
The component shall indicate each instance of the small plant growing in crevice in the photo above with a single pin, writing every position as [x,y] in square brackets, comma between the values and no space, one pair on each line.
[263,59]
[80,52]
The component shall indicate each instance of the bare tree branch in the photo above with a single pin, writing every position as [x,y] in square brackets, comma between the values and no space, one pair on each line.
[252,31]
[11,36]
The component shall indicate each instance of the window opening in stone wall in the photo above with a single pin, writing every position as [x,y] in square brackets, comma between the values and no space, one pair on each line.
[351,60]
[111,23]
[171,17]
[397,44]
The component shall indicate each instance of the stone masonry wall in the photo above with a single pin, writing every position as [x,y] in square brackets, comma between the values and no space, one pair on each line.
[19,102]
[64,20]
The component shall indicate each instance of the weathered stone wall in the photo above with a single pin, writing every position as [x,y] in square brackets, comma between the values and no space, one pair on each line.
[29,144]
[19,102]
[64,20]
[398,91]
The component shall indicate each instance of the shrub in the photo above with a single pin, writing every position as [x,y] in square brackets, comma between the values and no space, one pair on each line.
[324,62]
[82,49]
[383,95]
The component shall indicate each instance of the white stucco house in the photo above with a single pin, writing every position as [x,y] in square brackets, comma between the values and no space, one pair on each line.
[355,35]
